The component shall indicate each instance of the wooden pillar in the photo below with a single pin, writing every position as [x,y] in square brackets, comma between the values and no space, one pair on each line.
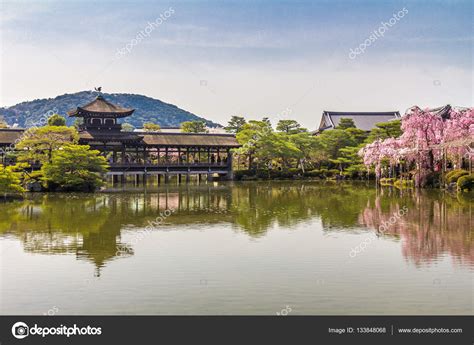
[179,156]
[167,178]
[230,172]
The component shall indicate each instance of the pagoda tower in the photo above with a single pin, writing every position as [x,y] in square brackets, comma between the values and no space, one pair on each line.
[100,115]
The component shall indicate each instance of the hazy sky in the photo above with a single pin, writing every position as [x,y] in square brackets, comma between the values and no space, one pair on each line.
[281,59]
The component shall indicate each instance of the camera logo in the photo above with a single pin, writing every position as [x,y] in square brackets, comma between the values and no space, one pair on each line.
[20,330]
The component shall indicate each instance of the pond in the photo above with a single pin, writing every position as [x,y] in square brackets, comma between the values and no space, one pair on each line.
[250,248]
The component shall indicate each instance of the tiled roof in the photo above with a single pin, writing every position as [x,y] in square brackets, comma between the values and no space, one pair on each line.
[190,139]
[363,120]
[8,135]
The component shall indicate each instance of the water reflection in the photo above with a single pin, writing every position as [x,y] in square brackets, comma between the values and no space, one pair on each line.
[90,225]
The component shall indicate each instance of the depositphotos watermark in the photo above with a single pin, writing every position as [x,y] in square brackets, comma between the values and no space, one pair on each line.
[376,34]
[382,229]
[21,330]
[145,33]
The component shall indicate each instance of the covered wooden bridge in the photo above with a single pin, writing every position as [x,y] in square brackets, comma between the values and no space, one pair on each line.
[144,154]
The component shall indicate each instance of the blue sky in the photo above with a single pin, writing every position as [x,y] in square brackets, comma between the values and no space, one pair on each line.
[281,59]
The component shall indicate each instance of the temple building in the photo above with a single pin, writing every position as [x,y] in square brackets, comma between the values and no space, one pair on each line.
[143,153]
[362,120]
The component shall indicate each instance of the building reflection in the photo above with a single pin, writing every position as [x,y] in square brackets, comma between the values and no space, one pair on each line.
[90,226]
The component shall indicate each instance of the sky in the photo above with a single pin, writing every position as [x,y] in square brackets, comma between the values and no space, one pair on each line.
[276,59]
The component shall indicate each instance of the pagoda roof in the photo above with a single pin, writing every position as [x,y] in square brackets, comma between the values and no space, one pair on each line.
[100,107]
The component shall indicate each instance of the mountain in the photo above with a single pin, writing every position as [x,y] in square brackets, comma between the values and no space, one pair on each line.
[147,109]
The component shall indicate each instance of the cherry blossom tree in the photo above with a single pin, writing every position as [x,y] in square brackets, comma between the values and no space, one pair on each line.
[426,136]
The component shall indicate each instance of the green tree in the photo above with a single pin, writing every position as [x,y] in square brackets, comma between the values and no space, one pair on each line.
[75,168]
[38,144]
[357,135]
[345,123]
[249,137]
[331,141]
[235,124]
[151,127]
[9,180]
[305,142]
[126,127]
[78,122]
[56,120]
[193,127]
[276,146]
[289,127]
[384,130]
[3,123]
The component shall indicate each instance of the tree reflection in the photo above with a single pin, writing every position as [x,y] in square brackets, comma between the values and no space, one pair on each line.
[91,225]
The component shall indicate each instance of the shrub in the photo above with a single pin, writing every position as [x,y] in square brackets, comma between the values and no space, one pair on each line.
[404,183]
[466,182]
[433,179]
[313,173]
[295,171]
[332,172]
[453,175]
[386,181]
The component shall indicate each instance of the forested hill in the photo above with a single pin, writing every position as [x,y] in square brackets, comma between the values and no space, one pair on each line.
[147,109]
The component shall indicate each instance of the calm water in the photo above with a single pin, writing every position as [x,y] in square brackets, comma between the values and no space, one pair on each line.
[238,248]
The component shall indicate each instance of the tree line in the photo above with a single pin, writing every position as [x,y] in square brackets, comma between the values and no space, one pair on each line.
[290,148]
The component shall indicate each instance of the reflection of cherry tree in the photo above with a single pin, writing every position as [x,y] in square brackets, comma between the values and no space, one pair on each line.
[430,228]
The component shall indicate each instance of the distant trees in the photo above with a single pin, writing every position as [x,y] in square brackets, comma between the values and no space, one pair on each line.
[151,127]
[193,127]
[346,123]
[56,120]
[290,146]
[289,127]
[3,123]
[235,124]
[126,127]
